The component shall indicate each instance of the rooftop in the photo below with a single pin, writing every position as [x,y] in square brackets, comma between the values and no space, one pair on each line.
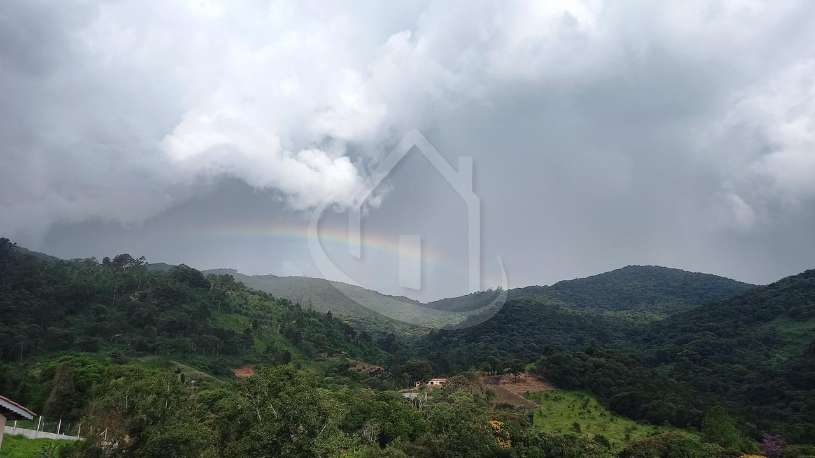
[11,409]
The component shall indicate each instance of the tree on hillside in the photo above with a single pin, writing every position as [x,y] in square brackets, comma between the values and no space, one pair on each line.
[189,276]
[720,428]
[6,246]
[516,368]
[63,400]
[670,445]
[416,370]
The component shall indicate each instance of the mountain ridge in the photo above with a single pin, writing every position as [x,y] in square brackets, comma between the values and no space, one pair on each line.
[364,308]
[633,287]
[654,290]
[753,353]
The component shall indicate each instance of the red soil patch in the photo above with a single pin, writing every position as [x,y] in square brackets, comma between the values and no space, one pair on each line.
[508,391]
[244,371]
[525,383]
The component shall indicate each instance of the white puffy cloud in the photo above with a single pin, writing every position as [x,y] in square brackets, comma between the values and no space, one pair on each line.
[118,110]
[784,110]
[767,145]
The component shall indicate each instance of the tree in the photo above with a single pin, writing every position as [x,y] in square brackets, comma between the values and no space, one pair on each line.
[63,400]
[670,445]
[389,343]
[416,370]
[6,248]
[516,367]
[720,428]
[278,412]
[538,444]
[459,426]
[189,276]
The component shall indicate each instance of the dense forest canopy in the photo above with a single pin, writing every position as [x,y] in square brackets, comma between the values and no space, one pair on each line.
[119,305]
[649,288]
[754,352]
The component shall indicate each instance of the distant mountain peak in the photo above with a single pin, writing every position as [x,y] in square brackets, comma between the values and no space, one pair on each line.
[650,288]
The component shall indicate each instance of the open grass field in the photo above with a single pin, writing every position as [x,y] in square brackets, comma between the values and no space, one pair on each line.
[574,412]
[20,447]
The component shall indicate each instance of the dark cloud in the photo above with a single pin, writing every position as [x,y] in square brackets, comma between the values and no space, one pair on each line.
[603,133]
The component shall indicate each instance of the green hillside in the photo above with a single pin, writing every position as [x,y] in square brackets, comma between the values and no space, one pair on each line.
[571,412]
[20,447]
[523,328]
[756,351]
[641,289]
[146,354]
[364,308]
[468,302]
[120,306]
[754,354]
[601,310]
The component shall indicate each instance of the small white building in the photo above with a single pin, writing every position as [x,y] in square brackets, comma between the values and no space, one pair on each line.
[12,411]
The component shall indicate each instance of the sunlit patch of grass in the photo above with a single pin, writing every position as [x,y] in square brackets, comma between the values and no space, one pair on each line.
[21,447]
[562,412]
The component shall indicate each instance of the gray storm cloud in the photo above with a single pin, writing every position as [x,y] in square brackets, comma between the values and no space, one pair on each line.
[121,110]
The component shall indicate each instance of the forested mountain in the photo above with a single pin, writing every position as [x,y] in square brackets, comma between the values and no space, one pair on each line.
[145,352]
[468,302]
[604,309]
[649,289]
[750,355]
[142,354]
[364,308]
[52,305]
[780,316]
[639,288]
[523,328]
[756,351]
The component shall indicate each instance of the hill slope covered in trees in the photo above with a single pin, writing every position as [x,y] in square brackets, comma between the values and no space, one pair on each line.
[605,309]
[755,351]
[145,354]
[640,288]
[650,289]
[51,305]
[366,309]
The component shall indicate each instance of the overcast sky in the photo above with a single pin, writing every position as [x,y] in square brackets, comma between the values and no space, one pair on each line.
[602,134]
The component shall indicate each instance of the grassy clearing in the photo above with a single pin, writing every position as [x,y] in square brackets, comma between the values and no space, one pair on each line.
[20,447]
[232,321]
[561,412]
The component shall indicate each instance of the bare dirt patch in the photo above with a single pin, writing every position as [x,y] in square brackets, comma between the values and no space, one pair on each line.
[525,383]
[244,371]
[509,391]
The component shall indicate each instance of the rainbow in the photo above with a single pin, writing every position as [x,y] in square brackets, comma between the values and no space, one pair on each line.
[329,236]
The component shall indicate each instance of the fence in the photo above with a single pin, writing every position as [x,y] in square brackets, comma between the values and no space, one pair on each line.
[44,428]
